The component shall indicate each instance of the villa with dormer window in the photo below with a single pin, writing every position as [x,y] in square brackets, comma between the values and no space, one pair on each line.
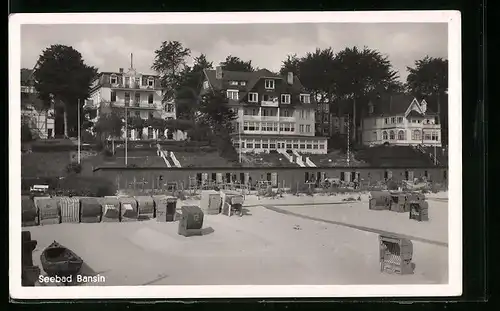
[401,120]
[274,112]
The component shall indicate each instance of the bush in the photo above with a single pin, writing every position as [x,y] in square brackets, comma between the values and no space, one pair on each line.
[26,135]
[392,185]
[74,167]
[86,186]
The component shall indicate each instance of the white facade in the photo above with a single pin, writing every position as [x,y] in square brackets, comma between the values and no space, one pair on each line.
[135,98]
[263,129]
[41,123]
[408,129]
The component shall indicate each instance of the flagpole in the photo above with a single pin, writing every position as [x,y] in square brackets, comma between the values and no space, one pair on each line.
[126,136]
[239,137]
[348,140]
[79,139]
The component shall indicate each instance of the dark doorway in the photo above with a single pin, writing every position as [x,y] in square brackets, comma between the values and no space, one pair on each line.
[407,175]
[268,177]
[198,177]
[306,176]
[228,177]
[242,178]
[342,176]
[445,175]
[214,176]
[386,174]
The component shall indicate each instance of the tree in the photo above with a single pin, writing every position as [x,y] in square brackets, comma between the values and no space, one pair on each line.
[361,74]
[109,125]
[216,113]
[170,64]
[61,75]
[233,63]
[138,124]
[187,95]
[429,78]
[290,64]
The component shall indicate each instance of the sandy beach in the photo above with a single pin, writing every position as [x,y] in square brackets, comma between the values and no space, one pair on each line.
[264,247]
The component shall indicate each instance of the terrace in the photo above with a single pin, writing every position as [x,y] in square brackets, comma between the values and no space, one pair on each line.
[201,159]
[400,156]
[266,160]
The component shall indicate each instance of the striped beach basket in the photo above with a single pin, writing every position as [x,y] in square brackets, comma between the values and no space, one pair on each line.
[70,209]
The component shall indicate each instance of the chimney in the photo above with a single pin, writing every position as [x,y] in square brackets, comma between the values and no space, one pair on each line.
[423,104]
[121,70]
[218,72]
[131,61]
[290,78]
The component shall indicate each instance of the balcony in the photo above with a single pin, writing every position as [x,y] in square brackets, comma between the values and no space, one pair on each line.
[133,105]
[252,118]
[269,103]
[132,86]
[287,119]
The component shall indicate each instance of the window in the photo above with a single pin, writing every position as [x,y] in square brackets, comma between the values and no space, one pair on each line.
[285,113]
[384,135]
[150,132]
[170,107]
[232,94]
[321,146]
[150,99]
[113,79]
[309,146]
[435,136]
[292,127]
[285,98]
[251,112]
[250,145]
[253,97]
[242,144]
[245,126]
[391,135]
[236,144]
[288,146]
[127,98]
[233,82]
[129,133]
[205,84]
[138,82]
[151,82]
[315,146]
[415,135]
[386,121]
[308,128]
[265,146]
[269,84]
[137,114]
[302,146]
[401,135]
[113,96]
[137,99]
[400,119]
[269,112]
[305,98]
[275,125]
[427,136]
[295,146]
[151,115]
[393,120]
[243,83]
[257,145]
[272,146]
[301,128]
[302,114]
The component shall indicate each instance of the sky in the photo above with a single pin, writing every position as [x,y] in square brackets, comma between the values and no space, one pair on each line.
[108,47]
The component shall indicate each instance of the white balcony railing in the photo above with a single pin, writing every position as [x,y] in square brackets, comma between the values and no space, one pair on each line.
[133,104]
[268,103]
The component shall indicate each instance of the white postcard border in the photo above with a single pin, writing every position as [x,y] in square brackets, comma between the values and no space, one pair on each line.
[453,288]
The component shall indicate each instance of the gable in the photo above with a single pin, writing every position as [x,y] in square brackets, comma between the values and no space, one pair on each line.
[414,106]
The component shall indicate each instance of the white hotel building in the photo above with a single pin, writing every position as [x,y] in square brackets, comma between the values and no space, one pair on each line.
[274,112]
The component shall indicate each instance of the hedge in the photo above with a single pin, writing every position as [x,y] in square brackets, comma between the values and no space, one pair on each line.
[73,185]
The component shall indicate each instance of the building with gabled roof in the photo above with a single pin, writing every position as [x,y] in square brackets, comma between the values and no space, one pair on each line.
[402,120]
[130,93]
[274,113]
